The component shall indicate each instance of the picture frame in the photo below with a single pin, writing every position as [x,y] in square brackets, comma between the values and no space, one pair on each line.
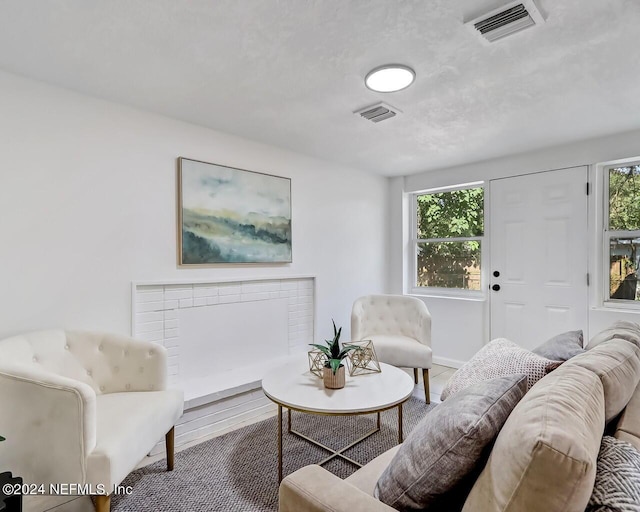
[228,215]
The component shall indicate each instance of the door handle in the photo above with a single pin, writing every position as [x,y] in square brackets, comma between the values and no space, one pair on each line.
[495,287]
[496,273]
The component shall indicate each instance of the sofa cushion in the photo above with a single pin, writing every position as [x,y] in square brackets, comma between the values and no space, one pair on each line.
[562,347]
[628,427]
[621,329]
[499,358]
[617,364]
[617,486]
[447,445]
[544,459]
[129,425]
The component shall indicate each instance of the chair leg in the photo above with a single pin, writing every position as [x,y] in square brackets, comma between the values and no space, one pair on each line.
[425,377]
[169,439]
[415,375]
[103,503]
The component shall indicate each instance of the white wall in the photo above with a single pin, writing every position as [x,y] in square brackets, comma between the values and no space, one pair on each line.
[88,204]
[461,327]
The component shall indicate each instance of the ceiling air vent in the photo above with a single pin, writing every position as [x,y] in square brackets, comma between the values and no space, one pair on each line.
[506,21]
[378,112]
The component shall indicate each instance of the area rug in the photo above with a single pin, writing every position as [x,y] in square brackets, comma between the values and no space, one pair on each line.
[238,471]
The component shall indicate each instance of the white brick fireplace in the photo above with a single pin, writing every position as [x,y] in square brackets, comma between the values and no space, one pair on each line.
[221,336]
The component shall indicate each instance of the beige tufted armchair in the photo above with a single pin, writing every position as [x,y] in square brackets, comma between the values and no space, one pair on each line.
[400,328]
[83,408]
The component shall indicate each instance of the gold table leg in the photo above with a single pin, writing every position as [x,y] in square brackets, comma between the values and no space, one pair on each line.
[280,442]
[334,453]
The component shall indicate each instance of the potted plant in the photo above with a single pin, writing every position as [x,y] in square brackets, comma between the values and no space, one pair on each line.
[333,371]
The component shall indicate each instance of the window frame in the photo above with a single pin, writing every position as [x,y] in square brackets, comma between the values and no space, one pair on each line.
[607,235]
[437,291]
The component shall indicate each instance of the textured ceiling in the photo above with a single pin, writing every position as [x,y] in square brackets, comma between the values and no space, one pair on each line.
[290,72]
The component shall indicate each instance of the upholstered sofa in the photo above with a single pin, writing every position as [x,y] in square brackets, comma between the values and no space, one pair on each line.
[83,408]
[544,459]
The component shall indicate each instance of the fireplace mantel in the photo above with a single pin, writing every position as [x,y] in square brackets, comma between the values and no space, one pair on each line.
[196,320]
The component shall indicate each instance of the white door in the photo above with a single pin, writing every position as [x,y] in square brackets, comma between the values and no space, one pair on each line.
[538,274]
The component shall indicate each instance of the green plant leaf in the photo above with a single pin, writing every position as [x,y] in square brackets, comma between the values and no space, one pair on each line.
[322,348]
[345,350]
[2,439]
[335,364]
[335,350]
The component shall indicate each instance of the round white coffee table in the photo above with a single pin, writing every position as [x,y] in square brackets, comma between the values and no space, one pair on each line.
[295,388]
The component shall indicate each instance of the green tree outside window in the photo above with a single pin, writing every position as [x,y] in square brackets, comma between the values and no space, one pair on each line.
[624,242]
[450,227]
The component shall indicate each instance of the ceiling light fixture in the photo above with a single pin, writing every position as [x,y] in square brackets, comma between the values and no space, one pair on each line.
[390,78]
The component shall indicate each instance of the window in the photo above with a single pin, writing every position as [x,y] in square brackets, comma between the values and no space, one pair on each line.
[447,238]
[622,232]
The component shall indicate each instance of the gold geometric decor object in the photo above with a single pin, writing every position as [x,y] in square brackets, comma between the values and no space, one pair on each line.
[363,359]
[317,359]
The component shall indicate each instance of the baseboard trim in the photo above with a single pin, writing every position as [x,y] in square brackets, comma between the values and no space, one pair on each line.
[445,361]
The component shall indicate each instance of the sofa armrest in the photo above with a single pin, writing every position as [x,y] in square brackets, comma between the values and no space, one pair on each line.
[313,489]
[120,363]
[49,423]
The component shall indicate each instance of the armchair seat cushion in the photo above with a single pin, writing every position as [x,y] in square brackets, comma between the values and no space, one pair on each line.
[128,426]
[401,351]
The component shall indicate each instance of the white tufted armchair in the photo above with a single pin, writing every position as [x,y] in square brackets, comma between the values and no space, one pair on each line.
[400,328]
[83,408]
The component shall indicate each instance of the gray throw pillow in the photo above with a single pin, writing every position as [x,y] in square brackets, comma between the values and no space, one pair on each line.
[622,329]
[561,347]
[447,446]
[617,487]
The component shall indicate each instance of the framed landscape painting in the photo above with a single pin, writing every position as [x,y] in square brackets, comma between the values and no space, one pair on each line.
[228,215]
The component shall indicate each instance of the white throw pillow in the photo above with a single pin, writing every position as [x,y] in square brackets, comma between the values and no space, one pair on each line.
[499,358]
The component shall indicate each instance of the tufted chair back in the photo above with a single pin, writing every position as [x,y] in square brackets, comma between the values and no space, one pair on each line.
[108,363]
[391,315]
